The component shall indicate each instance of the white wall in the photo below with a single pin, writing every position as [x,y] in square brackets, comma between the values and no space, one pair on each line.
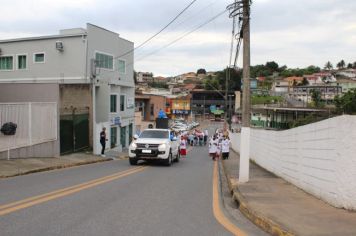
[319,158]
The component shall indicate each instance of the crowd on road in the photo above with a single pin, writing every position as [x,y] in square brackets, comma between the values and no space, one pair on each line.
[218,143]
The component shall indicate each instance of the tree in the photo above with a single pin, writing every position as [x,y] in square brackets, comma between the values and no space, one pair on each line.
[340,65]
[235,79]
[316,97]
[201,71]
[347,102]
[211,84]
[349,66]
[305,82]
[272,66]
[328,65]
[354,65]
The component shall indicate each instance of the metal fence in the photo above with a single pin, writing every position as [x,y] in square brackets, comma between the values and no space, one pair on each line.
[36,123]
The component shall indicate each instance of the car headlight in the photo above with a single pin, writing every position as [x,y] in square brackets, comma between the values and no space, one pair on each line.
[162,146]
[133,145]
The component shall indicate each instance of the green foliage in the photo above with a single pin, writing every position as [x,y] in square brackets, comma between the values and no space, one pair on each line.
[218,82]
[201,71]
[316,97]
[262,99]
[347,102]
[328,65]
[299,72]
[304,82]
[341,64]
[157,85]
[310,118]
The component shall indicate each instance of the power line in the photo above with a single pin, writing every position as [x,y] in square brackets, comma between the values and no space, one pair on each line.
[184,35]
[150,38]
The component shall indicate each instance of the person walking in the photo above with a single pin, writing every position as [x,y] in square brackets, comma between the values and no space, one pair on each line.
[206,136]
[225,148]
[183,147]
[103,140]
[213,148]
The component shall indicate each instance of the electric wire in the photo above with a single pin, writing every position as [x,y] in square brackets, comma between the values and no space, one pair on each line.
[184,35]
[160,31]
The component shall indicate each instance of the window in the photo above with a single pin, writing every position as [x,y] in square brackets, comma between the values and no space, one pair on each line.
[6,63]
[122,102]
[113,103]
[104,61]
[39,57]
[121,66]
[21,62]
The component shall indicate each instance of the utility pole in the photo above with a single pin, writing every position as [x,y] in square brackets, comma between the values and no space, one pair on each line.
[204,109]
[246,104]
[226,88]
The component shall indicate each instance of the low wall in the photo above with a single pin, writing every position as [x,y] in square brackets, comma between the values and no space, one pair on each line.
[319,158]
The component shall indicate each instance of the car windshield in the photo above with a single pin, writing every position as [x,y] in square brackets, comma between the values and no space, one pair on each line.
[154,134]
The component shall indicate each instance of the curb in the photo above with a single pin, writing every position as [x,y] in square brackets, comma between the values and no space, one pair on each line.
[254,216]
[54,168]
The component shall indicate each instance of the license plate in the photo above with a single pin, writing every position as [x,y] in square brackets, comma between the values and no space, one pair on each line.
[146,151]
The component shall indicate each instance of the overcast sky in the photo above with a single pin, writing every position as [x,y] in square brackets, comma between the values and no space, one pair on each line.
[296,33]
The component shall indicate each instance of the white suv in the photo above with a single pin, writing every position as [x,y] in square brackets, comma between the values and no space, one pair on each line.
[155,144]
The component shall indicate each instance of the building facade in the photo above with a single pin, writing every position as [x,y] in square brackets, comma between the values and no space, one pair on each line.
[92,74]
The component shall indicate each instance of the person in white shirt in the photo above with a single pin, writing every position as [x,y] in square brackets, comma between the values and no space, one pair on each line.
[225,147]
[213,147]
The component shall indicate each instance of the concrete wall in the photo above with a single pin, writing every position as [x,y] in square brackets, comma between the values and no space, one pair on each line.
[318,158]
[158,102]
[10,93]
[68,64]
[78,97]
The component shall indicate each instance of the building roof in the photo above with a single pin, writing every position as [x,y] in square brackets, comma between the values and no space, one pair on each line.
[292,78]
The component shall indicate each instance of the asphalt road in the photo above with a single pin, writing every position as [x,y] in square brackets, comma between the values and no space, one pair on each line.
[150,200]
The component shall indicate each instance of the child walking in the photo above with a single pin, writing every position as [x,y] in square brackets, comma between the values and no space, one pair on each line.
[183,147]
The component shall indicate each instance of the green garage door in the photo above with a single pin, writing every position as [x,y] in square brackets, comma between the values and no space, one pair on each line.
[74,133]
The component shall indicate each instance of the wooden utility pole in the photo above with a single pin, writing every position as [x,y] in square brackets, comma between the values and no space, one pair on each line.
[246,103]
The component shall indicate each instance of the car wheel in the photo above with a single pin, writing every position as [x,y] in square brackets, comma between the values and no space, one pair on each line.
[178,156]
[133,162]
[169,159]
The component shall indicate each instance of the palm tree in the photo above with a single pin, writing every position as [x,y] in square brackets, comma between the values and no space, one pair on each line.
[328,65]
[340,65]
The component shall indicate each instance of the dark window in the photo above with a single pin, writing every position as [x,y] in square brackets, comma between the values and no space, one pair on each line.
[113,102]
[154,134]
[122,102]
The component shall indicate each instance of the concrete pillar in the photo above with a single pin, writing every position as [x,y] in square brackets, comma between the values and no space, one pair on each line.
[244,155]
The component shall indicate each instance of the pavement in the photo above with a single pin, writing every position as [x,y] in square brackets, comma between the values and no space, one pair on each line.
[22,166]
[280,208]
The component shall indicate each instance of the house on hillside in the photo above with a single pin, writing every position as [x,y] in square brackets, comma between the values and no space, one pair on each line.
[84,80]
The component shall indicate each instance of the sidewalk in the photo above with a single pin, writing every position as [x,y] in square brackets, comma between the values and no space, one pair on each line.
[283,209]
[15,167]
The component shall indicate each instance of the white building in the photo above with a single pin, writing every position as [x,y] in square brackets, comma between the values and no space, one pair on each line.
[87,73]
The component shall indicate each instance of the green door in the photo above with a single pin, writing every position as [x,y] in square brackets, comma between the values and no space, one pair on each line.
[113,137]
[74,133]
[123,136]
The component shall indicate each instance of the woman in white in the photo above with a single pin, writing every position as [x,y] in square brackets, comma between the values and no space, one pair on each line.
[213,144]
[225,148]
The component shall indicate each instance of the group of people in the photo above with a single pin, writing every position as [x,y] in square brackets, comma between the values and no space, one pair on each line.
[193,138]
[219,145]
[219,142]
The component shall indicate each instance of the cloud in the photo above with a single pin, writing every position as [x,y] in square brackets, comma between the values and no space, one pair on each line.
[294,32]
